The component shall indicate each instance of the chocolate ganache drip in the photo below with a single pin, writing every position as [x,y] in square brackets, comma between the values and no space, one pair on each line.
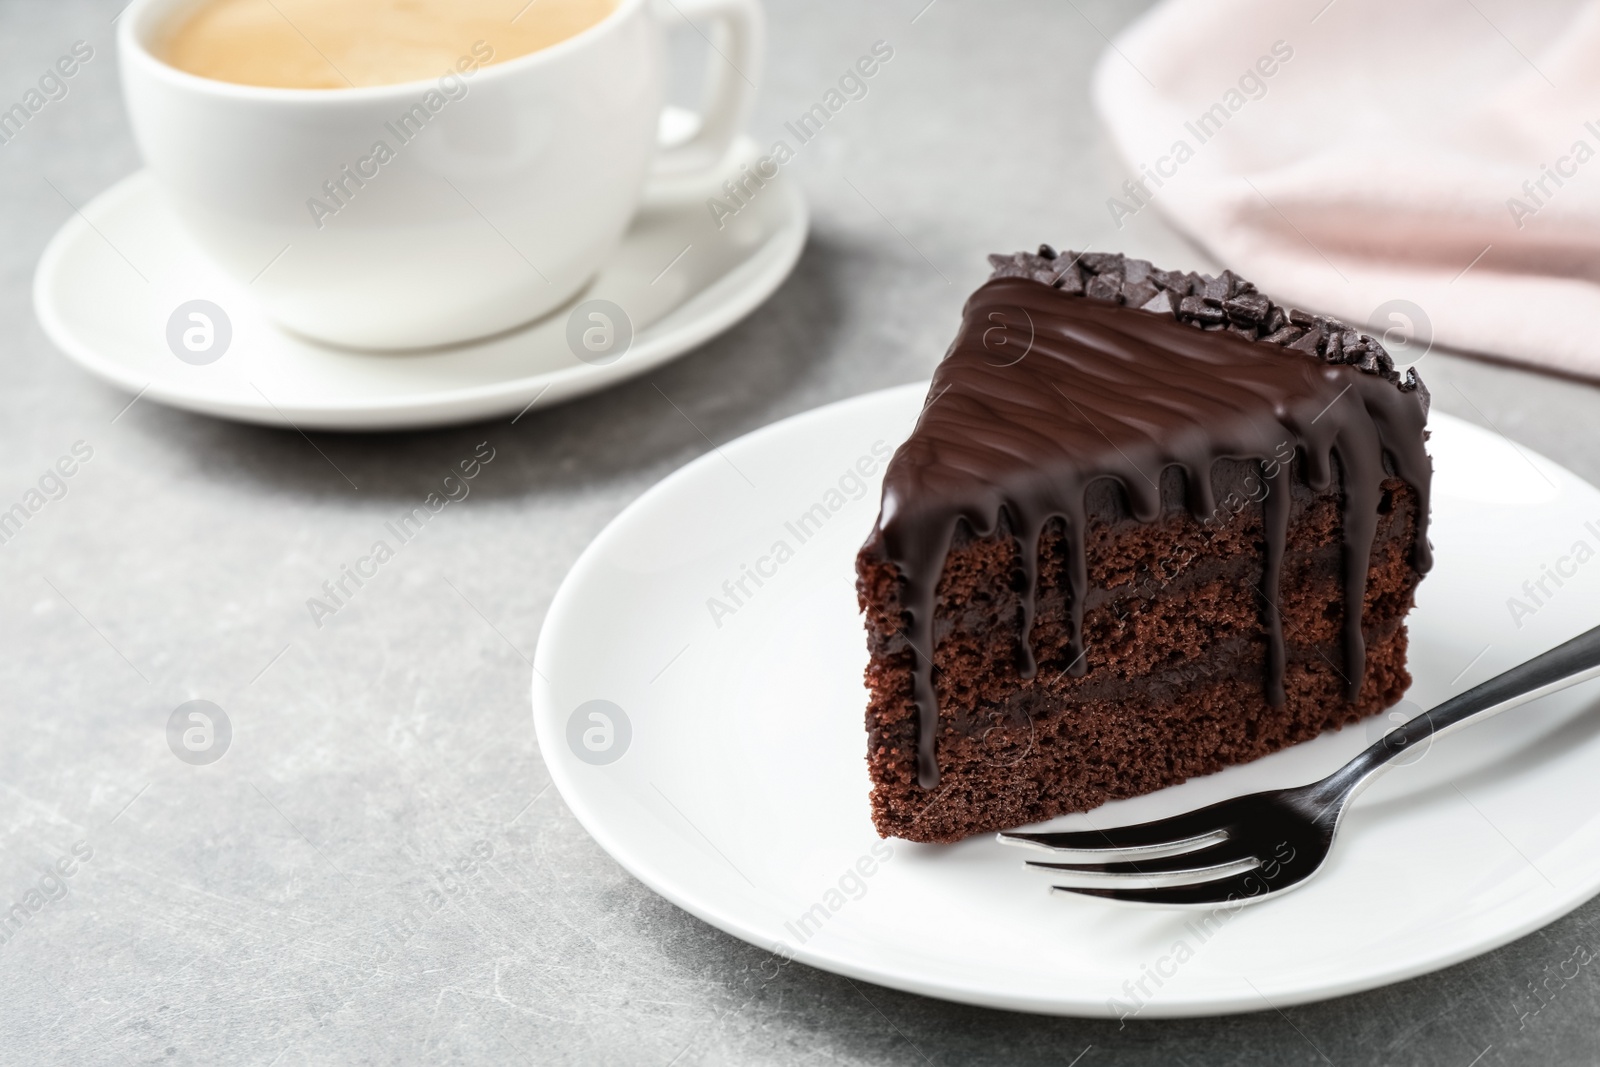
[1072,368]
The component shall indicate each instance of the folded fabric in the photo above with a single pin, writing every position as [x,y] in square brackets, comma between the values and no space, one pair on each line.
[1418,167]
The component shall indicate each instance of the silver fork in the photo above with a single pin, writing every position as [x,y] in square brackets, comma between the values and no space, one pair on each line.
[1247,849]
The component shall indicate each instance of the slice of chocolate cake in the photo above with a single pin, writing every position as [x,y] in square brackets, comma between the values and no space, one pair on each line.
[1149,524]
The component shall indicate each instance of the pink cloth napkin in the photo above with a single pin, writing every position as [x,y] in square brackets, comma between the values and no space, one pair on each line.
[1403,164]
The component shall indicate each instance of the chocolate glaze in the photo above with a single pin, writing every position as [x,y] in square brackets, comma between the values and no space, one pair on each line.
[1043,392]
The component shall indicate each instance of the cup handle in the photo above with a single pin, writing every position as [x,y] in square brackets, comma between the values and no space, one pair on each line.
[737,36]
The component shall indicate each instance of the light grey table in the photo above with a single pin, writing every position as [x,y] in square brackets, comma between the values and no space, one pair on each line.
[284,905]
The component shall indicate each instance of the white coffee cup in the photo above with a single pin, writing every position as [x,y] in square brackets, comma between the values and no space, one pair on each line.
[504,188]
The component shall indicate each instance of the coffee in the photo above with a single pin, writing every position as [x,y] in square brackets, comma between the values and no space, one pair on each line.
[341,44]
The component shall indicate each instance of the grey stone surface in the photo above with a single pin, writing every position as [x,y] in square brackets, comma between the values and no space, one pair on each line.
[274,907]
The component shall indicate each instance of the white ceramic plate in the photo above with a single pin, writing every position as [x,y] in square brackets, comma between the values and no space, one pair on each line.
[739,789]
[112,277]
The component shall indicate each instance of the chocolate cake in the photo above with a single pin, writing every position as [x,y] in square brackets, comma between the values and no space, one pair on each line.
[1149,524]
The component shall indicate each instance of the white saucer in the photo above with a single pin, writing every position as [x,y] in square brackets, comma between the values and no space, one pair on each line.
[94,304]
[740,791]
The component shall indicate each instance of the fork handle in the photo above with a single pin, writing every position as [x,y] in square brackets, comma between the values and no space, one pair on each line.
[1568,664]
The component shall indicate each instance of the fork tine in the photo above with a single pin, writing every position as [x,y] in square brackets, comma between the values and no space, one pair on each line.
[1135,880]
[1189,832]
[1226,854]
[1246,888]
[1145,840]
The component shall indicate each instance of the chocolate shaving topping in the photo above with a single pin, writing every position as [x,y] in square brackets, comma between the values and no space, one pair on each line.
[1070,280]
[1107,286]
[1224,302]
[1309,342]
[1161,303]
[1138,294]
[1195,309]
[1101,262]
[1247,309]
